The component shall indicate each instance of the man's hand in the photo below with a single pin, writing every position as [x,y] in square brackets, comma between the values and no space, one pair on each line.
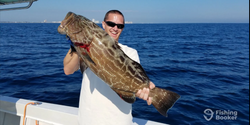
[143,93]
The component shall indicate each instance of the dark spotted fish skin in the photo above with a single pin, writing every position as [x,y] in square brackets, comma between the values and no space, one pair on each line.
[101,53]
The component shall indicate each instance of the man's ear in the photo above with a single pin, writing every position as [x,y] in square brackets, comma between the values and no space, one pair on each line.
[103,25]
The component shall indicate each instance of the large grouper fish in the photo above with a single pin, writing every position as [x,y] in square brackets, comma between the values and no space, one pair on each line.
[102,54]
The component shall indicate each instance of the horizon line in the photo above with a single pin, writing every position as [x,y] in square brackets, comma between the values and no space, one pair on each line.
[134,22]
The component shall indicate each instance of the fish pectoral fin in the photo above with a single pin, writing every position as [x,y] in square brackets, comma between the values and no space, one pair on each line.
[126,96]
[83,65]
[89,58]
[84,54]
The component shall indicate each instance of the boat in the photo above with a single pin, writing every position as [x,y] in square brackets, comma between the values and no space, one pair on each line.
[16,111]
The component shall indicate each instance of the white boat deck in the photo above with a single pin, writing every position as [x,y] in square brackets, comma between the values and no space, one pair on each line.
[12,112]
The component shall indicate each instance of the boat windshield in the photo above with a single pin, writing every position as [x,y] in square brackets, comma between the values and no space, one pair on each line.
[8,2]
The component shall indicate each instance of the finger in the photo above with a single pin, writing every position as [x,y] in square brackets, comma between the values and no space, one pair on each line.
[151,85]
[138,93]
[149,101]
[142,93]
[146,92]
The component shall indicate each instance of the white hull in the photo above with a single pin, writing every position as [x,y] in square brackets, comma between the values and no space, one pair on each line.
[12,112]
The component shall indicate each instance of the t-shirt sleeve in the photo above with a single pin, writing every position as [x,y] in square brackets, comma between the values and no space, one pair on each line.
[130,52]
[135,56]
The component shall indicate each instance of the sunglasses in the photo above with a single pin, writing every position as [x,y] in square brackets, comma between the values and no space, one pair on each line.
[112,24]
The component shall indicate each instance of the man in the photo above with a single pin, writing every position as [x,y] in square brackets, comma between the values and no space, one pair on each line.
[99,104]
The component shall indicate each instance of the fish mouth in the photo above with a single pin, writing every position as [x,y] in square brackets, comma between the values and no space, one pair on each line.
[67,20]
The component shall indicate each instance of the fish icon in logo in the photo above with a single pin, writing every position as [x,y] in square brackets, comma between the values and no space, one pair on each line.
[208,112]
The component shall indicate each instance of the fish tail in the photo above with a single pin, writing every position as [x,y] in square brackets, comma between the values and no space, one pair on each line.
[163,99]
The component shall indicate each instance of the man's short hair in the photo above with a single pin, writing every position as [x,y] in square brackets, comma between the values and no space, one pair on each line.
[115,12]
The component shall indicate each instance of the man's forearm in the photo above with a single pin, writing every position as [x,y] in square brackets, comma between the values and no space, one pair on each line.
[71,63]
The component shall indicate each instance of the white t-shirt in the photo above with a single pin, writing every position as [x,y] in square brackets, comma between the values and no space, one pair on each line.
[99,104]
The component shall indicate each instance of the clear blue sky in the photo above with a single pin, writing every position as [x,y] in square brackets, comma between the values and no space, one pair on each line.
[138,11]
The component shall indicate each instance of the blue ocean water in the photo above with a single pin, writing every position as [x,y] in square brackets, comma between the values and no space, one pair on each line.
[207,64]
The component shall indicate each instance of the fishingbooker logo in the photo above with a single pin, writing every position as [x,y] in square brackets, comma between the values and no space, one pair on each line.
[208,114]
[220,114]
